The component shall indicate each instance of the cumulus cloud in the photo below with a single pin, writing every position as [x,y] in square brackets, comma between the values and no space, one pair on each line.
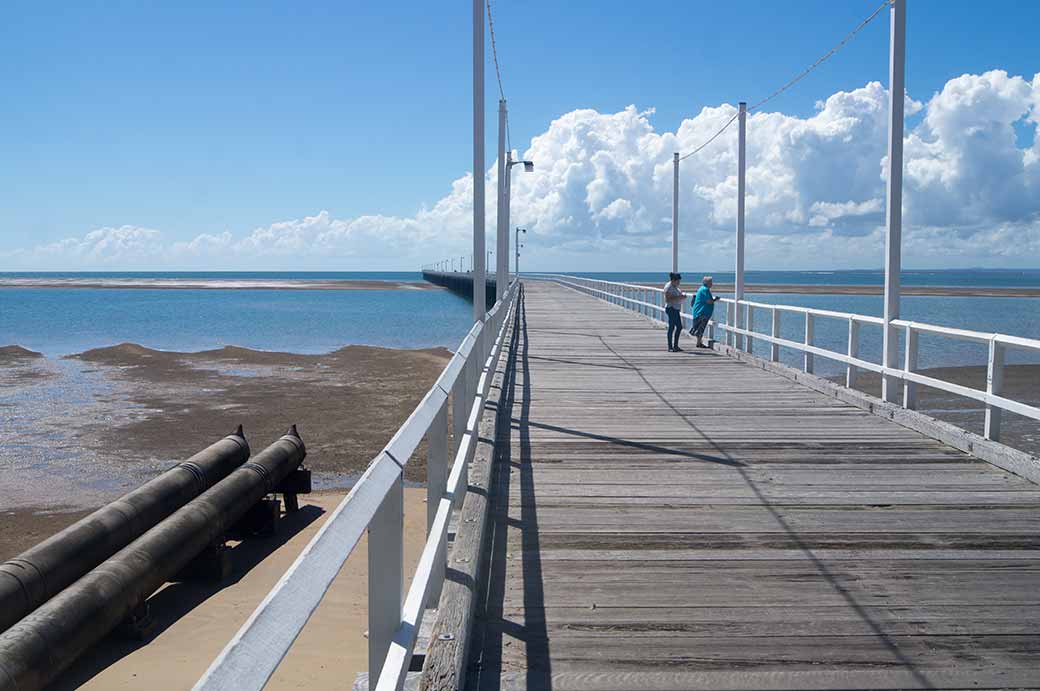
[601,193]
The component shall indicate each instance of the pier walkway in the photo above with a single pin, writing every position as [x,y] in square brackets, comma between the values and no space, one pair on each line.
[688,521]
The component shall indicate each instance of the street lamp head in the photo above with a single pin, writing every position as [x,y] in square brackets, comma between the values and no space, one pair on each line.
[528,166]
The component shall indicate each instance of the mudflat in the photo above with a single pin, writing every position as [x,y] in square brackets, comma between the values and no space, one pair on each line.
[153,409]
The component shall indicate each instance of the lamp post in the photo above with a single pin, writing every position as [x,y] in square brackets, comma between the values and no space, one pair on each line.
[517,267]
[503,220]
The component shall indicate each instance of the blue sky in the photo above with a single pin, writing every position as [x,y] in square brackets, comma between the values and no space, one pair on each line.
[202,118]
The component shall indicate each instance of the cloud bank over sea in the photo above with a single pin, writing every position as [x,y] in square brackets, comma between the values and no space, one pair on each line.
[600,197]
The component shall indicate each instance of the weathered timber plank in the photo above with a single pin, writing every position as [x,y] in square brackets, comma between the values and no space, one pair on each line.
[682,521]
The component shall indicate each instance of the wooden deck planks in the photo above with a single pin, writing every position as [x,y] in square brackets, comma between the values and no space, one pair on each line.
[683,520]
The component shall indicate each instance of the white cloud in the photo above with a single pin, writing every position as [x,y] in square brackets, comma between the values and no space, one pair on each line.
[601,194]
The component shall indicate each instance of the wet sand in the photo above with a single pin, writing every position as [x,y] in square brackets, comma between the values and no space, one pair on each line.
[17,362]
[64,451]
[347,404]
[812,289]
[215,284]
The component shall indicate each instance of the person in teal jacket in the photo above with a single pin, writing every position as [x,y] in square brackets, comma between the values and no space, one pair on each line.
[703,307]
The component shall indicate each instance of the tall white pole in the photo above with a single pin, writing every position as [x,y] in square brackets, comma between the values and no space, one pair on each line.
[479,289]
[502,237]
[675,212]
[894,192]
[508,202]
[738,290]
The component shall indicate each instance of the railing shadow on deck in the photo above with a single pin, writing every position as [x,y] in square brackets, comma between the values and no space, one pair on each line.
[493,626]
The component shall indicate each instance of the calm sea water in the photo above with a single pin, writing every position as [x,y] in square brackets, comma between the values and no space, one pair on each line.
[988,278]
[61,321]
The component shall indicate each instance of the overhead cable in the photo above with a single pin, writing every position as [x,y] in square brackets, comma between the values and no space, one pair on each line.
[797,79]
[823,59]
[498,71]
[494,51]
[713,137]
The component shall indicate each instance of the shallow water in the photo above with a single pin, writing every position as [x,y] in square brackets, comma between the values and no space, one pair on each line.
[62,321]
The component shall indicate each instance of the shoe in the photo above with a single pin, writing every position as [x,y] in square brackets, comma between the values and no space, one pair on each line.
[701,345]
[671,349]
[677,349]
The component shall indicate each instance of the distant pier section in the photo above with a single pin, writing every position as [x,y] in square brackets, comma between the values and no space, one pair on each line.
[460,282]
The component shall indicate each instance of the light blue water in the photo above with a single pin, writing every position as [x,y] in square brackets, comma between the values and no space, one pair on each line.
[988,278]
[1013,316]
[61,321]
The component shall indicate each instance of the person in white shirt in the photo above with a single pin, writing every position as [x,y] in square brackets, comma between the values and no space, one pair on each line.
[673,302]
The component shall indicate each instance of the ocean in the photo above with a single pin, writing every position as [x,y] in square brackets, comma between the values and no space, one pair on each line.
[59,321]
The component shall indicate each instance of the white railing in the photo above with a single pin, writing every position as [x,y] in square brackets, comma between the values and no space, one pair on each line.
[376,504]
[739,333]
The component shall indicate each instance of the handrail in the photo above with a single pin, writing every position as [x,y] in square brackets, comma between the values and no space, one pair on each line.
[375,504]
[742,337]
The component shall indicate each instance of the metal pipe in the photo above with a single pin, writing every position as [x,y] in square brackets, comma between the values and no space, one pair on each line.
[36,649]
[37,575]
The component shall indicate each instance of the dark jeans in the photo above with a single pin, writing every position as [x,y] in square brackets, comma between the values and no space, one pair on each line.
[674,326]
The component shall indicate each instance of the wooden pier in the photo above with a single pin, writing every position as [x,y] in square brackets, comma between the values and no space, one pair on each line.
[688,521]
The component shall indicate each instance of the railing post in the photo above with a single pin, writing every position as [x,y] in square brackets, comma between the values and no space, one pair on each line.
[853,351]
[436,488]
[774,349]
[994,386]
[749,323]
[385,575]
[909,365]
[459,408]
[738,278]
[808,361]
[730,339]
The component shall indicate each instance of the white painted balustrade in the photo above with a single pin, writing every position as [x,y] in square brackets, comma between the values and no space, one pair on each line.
[648,300]
[376,504]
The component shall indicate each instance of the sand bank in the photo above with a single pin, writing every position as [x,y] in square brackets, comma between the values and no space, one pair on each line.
[195,620]
[81,431]
[215,284]
[347,404]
